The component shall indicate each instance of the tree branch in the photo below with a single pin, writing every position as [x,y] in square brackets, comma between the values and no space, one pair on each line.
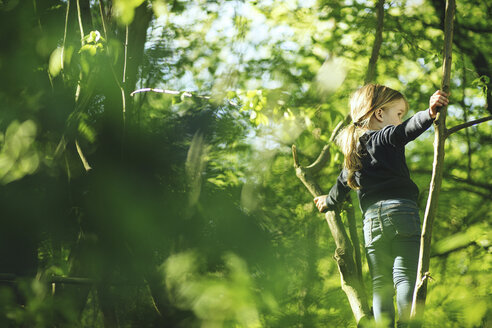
[173,92]
[347,253]
[420,293]
[87,167]
[371,70]
[467,124]
[458,179]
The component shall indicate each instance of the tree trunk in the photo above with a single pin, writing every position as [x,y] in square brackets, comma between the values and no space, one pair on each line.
[347,253]
[420,293]
[351,283]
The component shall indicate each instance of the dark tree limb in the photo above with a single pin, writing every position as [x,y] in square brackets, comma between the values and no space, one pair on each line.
[371,70]
[467,124]
[470,182]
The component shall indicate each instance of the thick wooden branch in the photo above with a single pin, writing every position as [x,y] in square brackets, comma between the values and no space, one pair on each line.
[351,284]
[320,162]
[347,253]
[348,267]
[467,124]
[420,293]
[355,238]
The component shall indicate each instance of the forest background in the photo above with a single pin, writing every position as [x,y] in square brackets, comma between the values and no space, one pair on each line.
[181,208]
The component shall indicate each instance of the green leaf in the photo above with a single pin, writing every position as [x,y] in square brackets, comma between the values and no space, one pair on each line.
[56,61]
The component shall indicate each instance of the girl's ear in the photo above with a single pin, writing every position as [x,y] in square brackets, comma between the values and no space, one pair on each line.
[378,114]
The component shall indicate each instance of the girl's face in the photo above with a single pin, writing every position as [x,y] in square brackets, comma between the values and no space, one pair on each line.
[391,115]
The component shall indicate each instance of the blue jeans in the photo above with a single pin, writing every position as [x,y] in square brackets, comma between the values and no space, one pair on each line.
[392,241]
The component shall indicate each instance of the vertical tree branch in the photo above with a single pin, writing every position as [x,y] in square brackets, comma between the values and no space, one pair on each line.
[465,119]
[103,20]
[347,253]
[122,88]
[351,283]
[371,69]
[123,80]
[420,293]
[354,237]
[62,55]
[81,27]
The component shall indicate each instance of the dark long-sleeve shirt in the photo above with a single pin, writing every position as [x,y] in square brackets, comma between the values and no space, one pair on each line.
[384,173]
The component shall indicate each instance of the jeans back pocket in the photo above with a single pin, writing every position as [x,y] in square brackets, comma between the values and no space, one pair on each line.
[406,224]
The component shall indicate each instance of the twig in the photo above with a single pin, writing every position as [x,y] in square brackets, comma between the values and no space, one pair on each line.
[173,92]
[12,278]
[62,55]
[80,23]
[424,278]
[122,88]
[467,181]
[467,124]
[87,167]
[102,20]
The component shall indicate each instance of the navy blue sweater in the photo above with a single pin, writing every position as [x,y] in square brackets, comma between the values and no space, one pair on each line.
[384,173]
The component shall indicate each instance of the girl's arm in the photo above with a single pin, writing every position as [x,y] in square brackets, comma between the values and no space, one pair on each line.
[400,135]
[336,195]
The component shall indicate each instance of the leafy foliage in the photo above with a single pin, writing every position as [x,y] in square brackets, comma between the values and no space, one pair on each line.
[182,209]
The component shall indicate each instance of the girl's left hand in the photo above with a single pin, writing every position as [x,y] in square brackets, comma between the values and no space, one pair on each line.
[437,100]
[320,202]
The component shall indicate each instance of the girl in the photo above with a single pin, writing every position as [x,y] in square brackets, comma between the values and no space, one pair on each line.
[374,165]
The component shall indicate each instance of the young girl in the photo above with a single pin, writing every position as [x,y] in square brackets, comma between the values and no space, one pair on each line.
[374,165]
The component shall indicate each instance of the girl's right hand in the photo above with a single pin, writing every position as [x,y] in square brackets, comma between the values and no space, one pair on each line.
[437,100]
[320,202]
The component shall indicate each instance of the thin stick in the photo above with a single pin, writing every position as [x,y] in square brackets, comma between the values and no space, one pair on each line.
[124,76]
[467,124]
[102,20]
[65,36]
[173,92]
[87,167]
[80,23]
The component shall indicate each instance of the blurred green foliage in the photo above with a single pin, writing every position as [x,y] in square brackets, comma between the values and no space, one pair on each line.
[185,211]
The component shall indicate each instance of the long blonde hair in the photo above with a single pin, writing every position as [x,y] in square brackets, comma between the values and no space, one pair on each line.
[363,104]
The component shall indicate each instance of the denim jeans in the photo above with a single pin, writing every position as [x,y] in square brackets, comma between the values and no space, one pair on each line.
[392,242]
